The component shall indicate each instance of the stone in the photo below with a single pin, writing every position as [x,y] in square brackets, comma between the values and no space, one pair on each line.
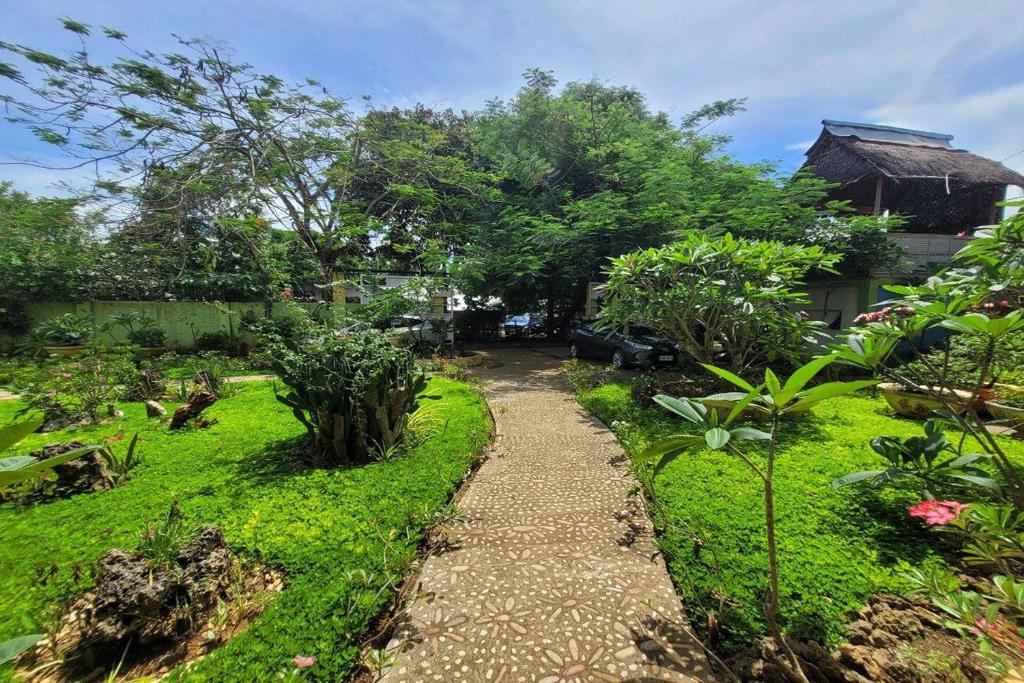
[82,475]
[154,409]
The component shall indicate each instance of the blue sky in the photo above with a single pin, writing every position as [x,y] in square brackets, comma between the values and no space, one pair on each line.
[943,65]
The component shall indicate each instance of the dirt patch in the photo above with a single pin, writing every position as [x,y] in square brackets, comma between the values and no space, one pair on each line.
[144,618]
[891,640]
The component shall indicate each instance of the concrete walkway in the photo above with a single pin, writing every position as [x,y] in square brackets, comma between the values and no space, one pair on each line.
[553,574]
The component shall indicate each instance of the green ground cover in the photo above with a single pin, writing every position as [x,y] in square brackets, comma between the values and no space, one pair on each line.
[339,535]
[837,547]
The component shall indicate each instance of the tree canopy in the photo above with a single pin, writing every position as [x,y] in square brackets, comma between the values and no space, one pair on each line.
[232,183]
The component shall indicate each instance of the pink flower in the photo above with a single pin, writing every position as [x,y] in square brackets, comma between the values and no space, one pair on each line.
[302,662]
[937,511]
[287,293]
[962,234]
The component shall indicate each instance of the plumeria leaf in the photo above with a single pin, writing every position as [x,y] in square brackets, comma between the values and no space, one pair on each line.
[749,434]
[729,376]
[684,408]
[717,438]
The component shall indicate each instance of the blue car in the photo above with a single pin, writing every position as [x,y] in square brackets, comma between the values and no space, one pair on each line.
[527,323]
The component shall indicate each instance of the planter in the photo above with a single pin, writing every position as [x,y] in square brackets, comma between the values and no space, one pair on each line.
[920,405]
[149,351]
[58,351]
[1008,415]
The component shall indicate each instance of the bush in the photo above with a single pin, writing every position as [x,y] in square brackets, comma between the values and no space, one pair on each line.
[709,292]
[69,329]
[79,387]
[964,353]
[581,375]
[353,393]
[139,328]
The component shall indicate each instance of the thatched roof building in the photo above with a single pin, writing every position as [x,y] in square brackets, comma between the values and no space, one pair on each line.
[918,174]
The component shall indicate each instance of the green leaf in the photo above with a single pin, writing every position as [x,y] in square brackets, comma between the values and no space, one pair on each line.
[728,376]
[717,438]
[9,649]
[740,406]
[668,444]
[12,434]
[984,482]
[39,466]
[684,408]
[772,383]
[826,391]
[16,462]
[801,376]
[749,434]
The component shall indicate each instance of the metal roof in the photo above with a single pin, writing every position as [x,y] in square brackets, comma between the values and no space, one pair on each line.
[879,133]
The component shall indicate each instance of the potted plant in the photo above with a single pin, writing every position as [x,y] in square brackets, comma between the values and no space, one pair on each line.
[140,330]
[65,334]
[1008,406]
[912,400]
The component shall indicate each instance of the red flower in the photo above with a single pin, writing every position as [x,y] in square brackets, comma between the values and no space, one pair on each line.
[937,512]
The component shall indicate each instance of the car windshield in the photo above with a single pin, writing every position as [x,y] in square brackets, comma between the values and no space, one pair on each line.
[641,331]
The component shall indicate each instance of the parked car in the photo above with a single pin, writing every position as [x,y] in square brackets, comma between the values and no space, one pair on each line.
[411,331]
[637,346]
[527,323]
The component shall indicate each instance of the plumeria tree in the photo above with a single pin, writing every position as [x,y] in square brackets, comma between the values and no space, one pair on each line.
[978,299]
[775,399]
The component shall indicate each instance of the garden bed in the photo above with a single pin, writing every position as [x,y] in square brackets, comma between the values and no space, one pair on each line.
[837,547]
[342,538]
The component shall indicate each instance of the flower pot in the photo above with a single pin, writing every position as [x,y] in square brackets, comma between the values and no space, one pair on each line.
[58,351]
[1008,415]
[918,404]
[149,351]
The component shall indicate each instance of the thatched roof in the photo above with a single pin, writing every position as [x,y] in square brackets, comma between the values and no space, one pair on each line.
[847,152]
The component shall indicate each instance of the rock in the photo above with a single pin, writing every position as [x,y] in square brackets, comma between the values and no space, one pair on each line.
[154,409]
[146,605]
[81,475]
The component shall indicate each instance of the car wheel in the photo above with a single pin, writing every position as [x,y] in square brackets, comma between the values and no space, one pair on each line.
[618,358]
[574,350]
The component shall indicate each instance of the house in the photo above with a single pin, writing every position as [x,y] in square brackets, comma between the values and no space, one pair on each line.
[942,192]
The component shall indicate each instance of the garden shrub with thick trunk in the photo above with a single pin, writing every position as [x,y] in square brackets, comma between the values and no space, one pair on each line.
[353,393]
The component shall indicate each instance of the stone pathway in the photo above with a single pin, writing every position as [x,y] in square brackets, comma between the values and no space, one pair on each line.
[553,575]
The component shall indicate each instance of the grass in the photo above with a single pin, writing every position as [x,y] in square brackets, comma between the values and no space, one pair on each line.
[836,547]
[340,536]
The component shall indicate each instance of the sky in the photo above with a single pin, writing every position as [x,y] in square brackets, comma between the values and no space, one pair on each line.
[941,65]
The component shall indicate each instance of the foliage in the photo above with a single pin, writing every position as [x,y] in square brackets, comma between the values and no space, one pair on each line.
[119,465]
[918,457]
[10,649]
[352,393]
[45,252]
[82,385]
[979,300]
[837,547]
[581,375]
[138,328]
[162,541]
[778,399]
[706,292]
[341,536]
[68,329]
[964,354]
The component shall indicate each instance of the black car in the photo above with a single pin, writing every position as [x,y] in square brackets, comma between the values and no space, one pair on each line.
[638,346]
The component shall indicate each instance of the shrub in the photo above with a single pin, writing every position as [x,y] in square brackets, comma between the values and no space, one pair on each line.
[708,292]
[69,329]
[139,328]
[581,375]
[353,393]
[81,386]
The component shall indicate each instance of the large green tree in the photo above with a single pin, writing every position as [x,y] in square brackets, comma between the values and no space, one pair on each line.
[46,251]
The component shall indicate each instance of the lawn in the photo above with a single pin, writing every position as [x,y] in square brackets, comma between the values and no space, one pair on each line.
[336,534]
[836,547]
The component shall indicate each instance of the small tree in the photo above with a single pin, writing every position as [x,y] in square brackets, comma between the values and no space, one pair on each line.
[707,293]
[777,399]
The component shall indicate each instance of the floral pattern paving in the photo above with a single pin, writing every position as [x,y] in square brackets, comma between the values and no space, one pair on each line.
[551,573]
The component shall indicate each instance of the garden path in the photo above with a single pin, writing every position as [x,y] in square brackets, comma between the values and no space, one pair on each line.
[552,574]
